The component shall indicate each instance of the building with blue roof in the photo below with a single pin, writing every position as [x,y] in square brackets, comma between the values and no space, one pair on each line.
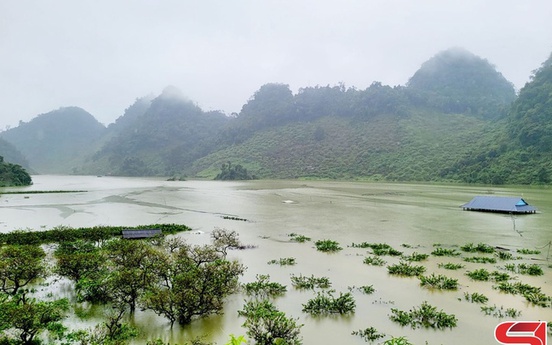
[499,204]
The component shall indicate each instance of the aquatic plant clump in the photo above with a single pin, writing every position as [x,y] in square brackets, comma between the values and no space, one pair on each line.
[283,262]
[374,261]
[440,282]
[478,248]
[303,282]
[481,260]
[532,294]
[425,316]
[415,257]
[369,334]
[406,269]
[526,269]
[528,251]
[298,238]
[264,288]
[365,289]
[476,297]
[450,266]
[379,248]
[501,312]
[325,303]
[327,246]
[445,252]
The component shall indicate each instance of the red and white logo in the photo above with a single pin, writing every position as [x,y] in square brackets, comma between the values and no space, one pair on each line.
[521,332]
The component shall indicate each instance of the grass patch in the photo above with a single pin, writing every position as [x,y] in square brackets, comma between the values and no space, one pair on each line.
[378,248]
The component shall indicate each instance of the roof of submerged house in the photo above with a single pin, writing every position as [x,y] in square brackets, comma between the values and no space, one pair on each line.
[499,204]
[134,234]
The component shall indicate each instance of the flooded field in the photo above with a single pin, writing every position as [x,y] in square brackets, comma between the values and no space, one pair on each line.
[409,217]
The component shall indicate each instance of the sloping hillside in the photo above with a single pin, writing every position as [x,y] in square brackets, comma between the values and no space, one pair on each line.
[168,136]
[56,141]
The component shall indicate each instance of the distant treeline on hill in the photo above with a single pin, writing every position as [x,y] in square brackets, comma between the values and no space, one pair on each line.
[457,119]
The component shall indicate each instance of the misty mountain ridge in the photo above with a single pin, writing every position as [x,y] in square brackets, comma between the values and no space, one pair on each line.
[453,115]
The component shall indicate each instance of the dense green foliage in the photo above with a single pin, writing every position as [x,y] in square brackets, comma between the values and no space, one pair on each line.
[13,175]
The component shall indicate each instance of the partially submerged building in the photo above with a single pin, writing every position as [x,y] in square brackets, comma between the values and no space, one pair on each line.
[499,204]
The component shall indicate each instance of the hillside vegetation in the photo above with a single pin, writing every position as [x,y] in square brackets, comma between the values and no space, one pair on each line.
[13,175]
[457,119]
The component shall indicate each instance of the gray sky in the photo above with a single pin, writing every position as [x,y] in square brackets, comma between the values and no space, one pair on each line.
[102,54]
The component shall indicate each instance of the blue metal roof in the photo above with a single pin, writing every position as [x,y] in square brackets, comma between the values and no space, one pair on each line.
[499,204]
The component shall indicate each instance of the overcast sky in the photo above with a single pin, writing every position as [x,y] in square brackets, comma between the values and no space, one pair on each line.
[103,54]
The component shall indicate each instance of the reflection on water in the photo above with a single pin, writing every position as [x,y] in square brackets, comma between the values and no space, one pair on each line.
[417,215]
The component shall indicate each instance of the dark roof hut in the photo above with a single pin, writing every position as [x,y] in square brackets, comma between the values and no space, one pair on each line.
[499,204]
[138,234]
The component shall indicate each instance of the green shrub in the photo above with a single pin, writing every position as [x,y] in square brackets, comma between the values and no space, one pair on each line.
[299,238]
[528,251]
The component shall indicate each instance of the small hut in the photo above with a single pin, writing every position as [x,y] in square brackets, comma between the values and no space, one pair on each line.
[499,204]
[139,234]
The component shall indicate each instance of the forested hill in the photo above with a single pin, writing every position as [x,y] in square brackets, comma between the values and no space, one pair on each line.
[522,150]
[157,137]
[56,141]
[457,119]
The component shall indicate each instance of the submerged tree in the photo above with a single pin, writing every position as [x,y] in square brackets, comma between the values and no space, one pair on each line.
[19,266]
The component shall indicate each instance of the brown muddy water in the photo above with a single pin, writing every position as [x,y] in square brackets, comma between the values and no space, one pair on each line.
[419,215]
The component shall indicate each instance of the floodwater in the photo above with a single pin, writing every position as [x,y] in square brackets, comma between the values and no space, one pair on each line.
[419,215]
